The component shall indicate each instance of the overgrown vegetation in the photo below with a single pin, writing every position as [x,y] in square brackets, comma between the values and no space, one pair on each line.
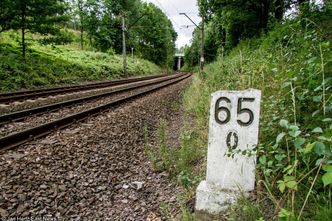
[58,64]
[107,26]
[147,29]
[292,66]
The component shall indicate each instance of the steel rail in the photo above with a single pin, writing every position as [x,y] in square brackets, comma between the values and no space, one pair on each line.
[18,115]
[20,95]
[16,139]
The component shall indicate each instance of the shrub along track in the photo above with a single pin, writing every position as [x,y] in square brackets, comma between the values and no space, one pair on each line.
[64,116]
[96,170]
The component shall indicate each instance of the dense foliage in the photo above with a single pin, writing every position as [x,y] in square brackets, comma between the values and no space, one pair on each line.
[292,65]
[228,22]
[148,30]
[149,33]
[34,16]
[53,65]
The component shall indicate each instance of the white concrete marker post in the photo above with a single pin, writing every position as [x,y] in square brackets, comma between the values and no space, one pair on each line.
[234,120]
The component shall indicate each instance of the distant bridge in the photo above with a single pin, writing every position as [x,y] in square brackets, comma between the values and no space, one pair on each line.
[178,61]
[179,54]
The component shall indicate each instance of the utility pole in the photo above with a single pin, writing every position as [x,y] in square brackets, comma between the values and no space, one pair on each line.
[202,46]
[124,55]
[124,52]
[201,60]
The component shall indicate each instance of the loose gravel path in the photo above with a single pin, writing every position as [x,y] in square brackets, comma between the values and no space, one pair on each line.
[96,170]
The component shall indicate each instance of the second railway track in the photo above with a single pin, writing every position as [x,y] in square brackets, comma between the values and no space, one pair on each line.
[9,137]
[32,94]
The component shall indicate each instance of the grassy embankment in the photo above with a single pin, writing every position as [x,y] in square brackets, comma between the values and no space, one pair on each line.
[292,66]
[60,64]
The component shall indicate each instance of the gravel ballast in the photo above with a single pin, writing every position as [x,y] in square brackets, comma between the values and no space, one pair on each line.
[95,170]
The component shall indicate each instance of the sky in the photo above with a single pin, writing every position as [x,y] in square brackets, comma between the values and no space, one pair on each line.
[181,24]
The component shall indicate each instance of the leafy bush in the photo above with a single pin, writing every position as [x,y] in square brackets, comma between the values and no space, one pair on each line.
[292,66]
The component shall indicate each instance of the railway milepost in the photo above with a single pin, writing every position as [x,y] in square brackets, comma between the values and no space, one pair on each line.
[233,133]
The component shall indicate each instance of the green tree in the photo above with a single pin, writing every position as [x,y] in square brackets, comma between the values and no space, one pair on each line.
[156,36]
[35,16]
[6,14]
[80,13]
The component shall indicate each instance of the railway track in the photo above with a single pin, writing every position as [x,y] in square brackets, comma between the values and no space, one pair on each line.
[6,98]
[77,110]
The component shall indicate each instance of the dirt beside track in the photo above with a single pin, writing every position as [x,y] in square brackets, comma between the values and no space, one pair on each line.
[95,170]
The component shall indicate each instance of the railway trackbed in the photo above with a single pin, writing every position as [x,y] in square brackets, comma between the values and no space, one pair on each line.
[20,127]
[32,94]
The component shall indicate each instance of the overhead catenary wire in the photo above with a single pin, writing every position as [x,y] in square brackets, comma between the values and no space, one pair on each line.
[171,3]
[165,11]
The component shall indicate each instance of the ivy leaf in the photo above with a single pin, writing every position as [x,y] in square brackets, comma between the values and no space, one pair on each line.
[294,127]
[279,157]
[279,137]
[327,168]
[286,84]
[317,98]
[326,44]
[327,178]
[281,185]
[294,133]
[309,148]
[327,120]
[317,130]
[319,161]
[315,113]
[325,138]
[292,185]
[262,160]
[283,123]
[319,148]
[298,142]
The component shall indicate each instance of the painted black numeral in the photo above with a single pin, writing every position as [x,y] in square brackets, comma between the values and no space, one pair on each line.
[219,109]
[241,110]
[232,140]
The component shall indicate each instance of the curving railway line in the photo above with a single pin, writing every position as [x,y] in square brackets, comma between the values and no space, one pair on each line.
[22,126]
[31,94]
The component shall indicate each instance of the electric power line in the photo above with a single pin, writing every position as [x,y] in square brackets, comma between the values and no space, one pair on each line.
[168,14]
[171,3]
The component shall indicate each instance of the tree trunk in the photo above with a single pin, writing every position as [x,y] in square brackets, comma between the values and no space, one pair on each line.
[23,25]
[223,42]
[279,10]
[82,36]
[264,14]
[80,8]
